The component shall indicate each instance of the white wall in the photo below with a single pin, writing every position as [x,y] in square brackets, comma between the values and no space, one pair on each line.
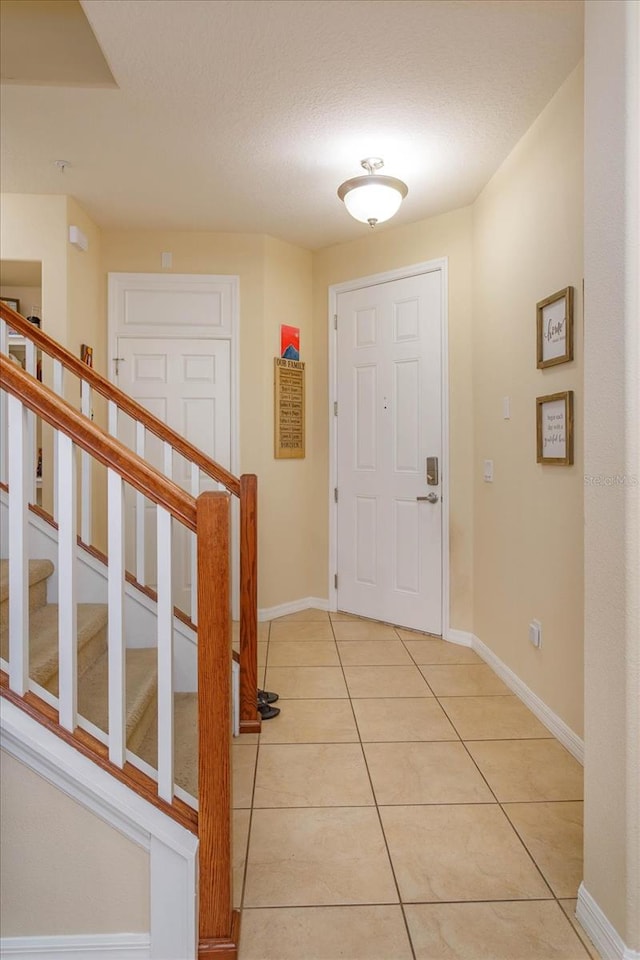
[612,466]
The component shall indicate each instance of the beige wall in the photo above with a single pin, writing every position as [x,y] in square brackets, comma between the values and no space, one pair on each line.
[29,297]
[612,465]
[34,227]
[63,870]
[445,236]
[287,514]
[527,241]
[275,288]
[86,301]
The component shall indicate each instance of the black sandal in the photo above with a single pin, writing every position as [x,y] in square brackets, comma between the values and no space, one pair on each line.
[266,712]
[265,696]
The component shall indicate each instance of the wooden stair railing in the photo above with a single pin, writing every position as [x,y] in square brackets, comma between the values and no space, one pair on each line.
[245,488]
[208,517]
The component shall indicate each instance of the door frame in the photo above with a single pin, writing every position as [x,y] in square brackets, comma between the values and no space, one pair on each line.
[440,266]
[192,282]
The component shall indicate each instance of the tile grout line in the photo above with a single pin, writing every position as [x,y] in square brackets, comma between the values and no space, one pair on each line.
[379,815]
[253,790]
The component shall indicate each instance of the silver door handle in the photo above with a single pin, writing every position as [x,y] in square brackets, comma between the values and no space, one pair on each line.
[430,498]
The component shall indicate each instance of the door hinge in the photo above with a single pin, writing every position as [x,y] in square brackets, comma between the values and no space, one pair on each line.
[118,361]
[335,581]
[335,408]
[335,321]
[335,494]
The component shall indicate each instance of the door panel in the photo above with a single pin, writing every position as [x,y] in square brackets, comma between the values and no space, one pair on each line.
[186,384]
[389,422]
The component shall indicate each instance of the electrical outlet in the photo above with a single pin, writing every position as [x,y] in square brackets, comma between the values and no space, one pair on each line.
[535,633]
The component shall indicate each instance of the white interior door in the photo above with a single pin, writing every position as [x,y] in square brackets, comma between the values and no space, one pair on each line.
[186,384]
[389,388]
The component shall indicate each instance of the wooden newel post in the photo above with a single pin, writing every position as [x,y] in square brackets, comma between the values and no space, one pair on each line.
[217,922]
[249,720]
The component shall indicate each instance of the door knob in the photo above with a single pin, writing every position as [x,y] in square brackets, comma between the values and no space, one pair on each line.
[430,498]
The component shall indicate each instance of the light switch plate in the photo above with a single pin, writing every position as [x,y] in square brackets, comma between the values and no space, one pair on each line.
[488,471]
[535,633]
[506,408]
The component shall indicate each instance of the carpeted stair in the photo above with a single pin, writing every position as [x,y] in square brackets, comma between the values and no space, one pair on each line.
[141,672]
[185,738]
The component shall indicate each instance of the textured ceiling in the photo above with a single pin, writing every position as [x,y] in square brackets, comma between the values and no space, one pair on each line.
[246,115]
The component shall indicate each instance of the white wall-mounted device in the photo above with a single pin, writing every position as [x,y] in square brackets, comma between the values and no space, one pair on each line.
[535,633]
[78,239]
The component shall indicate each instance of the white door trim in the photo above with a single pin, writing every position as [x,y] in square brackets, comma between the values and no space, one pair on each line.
[430,266]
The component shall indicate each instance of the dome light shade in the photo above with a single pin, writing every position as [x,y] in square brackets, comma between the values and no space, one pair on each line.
[373,198]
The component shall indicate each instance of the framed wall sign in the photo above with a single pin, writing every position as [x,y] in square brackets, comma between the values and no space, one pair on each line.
[554,428]
[554,317]
[289,433]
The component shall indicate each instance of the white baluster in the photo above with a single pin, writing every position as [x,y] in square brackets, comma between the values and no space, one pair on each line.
[140,512]
[113,418]
[86,507]
[30,367]
[165,657]
[167,455]
[18,555]
[4,349]
[195,491]
[58,383]
[67,607]
[117,679]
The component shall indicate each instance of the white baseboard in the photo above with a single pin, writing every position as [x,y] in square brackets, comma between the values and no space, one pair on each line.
[98,946]
[294,606]
[561,731]
[600,931]
[461,637]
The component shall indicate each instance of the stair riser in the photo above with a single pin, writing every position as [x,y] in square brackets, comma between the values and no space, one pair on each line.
[137,731]
[37,599]
[88,653]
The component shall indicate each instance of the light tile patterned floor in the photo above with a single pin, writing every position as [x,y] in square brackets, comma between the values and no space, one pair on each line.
[403,806]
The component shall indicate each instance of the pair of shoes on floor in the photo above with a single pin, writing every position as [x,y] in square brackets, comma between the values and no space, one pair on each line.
[265,700]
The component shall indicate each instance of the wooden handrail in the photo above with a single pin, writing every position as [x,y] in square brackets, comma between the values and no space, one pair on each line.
[249,720]
[125,403]
[209,518]
[103,447]
[218,925]
[245,488]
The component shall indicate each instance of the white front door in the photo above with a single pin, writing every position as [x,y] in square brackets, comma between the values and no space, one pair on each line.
[185,383]
[389,386]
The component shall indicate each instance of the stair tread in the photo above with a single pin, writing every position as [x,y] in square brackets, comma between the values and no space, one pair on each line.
[43,636]
[38,570]
[141,684]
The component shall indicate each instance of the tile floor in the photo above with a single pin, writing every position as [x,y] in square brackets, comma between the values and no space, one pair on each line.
[403,806]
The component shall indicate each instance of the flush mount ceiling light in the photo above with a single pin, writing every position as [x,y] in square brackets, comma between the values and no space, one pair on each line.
[373,198]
